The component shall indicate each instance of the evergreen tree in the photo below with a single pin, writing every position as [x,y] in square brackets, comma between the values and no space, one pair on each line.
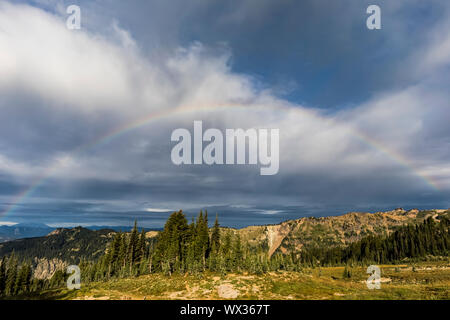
[170,252]
[23,279]
[226,263]
[11,275]
[190,245]
[215,236]
[347,273]
[141,248]
[2,276]
[132,250]
[122,257]
[237,253]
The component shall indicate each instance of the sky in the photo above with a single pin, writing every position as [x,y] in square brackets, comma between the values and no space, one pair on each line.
[87,115]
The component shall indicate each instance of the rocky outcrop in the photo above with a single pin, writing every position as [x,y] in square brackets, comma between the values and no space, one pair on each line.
[291,236]
[45,268]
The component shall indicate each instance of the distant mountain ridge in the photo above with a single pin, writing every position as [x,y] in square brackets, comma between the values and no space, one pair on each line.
[23,230]
[69,245]
[35,229]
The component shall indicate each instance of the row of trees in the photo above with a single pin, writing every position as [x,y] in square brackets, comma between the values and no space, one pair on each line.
[14,278]
[184,248]
[126,256]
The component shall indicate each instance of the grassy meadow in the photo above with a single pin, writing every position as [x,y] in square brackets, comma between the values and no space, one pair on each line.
[426,280]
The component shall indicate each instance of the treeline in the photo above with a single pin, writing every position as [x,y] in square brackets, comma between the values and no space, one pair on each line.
[16,278]
[127,255]
[193,248]
[412,241]
[183,248]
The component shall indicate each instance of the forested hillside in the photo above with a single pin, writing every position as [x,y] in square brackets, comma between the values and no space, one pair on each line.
[290,237]
[410,241]
[69,245]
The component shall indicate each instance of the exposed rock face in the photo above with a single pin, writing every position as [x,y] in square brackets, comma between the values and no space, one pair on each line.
[46,268]
[56,232]
[276,235]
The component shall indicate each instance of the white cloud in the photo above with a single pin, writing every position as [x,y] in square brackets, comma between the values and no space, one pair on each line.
[7,223]
[158,210]
[270,211]
[68,68]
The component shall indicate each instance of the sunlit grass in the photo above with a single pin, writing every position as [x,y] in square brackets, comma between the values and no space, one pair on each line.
[429,280]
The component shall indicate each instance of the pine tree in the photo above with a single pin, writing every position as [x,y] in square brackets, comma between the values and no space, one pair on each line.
[115,247]
[114,252]
[132,250]
[22,281]
[205,239]
[141,247]
[237,253]
[347,273]
[226,262]
[11,275]
[215,236]
[170,250]
[2,276]
[190,247]
[122,257]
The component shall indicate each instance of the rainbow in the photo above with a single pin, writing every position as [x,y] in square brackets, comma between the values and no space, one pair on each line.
[141,122]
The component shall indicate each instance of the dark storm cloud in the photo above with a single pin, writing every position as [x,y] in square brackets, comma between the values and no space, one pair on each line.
[313,52]
[39,132]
